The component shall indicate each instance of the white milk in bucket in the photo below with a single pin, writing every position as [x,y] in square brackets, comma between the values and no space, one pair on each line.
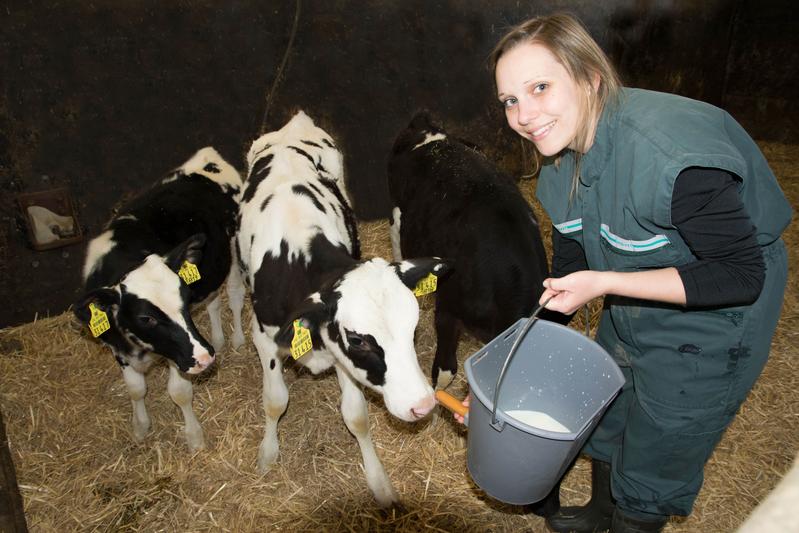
[538,420]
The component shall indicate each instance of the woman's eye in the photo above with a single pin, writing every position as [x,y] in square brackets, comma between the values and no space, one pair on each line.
[540,87]
[147,321]
[508,102]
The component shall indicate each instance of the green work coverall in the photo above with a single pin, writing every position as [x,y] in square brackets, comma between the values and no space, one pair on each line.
[687,370]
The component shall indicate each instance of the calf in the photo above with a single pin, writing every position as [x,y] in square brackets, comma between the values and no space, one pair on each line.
[453,202]
[299,252]
[136,276]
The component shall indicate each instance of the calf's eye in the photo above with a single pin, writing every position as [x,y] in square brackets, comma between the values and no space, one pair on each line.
[354,340]
[146,321]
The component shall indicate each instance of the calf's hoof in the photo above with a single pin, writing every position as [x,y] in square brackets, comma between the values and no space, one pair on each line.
[195,440]
[218,343]
[385,496]
[445,377]
[267,455]
[140,430]
[237,341]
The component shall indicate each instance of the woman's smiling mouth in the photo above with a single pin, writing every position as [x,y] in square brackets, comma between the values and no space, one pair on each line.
[540,133]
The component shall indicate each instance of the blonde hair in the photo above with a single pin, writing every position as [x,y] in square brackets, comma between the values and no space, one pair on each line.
[566,39]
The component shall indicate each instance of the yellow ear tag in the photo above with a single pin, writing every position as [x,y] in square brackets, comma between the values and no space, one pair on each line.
[301,343]
[426,285]
[98,323]
[189,273]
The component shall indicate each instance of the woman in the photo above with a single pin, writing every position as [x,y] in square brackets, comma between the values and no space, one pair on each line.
[667,208]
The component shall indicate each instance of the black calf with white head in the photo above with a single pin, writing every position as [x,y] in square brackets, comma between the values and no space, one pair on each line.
[299,252]
[453,202]
[138,276]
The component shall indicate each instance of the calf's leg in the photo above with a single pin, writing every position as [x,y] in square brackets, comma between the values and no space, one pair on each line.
[448,332]
[356,417]
[394,232]
[180,390]
[137,389]
[235,300]
[214,309]
[276,395]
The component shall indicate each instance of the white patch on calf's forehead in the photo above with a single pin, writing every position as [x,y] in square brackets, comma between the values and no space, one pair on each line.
[430,137]
[97,249]
[374,301]
[158,284]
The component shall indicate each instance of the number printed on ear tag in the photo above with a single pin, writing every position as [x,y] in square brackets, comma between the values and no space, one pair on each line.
[189,273]
[426,285]
[98,323]
[301,343]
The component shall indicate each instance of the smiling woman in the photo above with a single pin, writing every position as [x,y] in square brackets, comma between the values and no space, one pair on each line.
[665,207]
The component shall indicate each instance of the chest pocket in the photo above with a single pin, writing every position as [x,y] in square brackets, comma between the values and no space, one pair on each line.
[625,253]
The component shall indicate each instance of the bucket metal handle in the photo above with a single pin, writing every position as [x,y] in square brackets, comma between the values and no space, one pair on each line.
[516,343]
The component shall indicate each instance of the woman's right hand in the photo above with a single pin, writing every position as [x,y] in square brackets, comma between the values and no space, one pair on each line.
[465,403]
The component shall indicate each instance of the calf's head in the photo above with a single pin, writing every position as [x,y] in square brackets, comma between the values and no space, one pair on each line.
[366,319]
[148,311]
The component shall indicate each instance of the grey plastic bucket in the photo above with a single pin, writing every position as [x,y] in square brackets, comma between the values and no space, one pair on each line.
[556,371]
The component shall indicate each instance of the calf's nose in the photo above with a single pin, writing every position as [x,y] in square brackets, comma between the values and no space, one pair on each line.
[421,409]
[203,361]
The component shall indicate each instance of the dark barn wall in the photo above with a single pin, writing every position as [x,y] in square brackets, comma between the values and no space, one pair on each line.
[105,97]
[762,82]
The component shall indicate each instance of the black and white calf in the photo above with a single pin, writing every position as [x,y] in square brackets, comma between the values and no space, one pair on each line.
[131,275]
[453,202]
[299,252]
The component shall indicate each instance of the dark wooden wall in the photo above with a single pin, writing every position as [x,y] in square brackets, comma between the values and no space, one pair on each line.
[106,96]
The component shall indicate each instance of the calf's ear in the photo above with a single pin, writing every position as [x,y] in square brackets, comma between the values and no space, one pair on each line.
[411,271]
[104,299]
[190,250]
[311,312]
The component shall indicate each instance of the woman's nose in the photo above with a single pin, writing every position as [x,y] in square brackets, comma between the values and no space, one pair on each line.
[527,112]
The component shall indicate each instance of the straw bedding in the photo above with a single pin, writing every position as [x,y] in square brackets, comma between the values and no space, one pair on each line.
[68,420]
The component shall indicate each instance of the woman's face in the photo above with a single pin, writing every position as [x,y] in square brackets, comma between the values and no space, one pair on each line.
[542,101]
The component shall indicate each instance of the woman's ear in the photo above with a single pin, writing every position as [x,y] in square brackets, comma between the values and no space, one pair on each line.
[595,80]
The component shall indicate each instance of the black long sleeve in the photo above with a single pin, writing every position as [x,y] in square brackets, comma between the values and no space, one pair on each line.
[567,255]
[707,211]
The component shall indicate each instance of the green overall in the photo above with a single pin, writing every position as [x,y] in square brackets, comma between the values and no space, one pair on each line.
[687,370]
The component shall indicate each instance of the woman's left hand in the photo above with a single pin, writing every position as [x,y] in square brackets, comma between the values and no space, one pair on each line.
[575,290]
[571,292]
